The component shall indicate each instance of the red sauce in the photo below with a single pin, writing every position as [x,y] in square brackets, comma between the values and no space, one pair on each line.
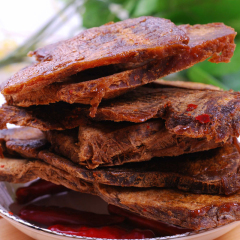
[2,166]
[191,107]
[204,118]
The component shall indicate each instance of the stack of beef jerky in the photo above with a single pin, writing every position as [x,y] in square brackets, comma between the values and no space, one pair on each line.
[166,150]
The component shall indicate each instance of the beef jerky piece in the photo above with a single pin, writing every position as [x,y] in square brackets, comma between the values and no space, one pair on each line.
[132,40]
[58,116]
[213,172]
[26,148]
[22,170]
[193,113]
[184,84]
[20,134]
[23,133]
[110,144]
[189,210]
[214,39]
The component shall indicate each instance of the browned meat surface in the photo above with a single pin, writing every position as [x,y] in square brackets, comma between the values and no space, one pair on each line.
[26,148]
[22,170]
[23,133]
[132,40]
[58,116]
[189,210]
[215,171]
[21,143]
[215,114]
[110,144]
[215,40]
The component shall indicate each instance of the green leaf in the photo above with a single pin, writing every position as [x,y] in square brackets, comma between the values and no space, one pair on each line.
[97,13]
[130,6]
[144,8]
[232,81]
[196,74]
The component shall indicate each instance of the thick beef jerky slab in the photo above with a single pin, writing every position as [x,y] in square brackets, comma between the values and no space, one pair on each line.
[50,117]
[189,210]
[193,113]
[215,171]
[64,116]
[132,40]
[26,143]
[110,144]
[23,134]
[214,39]
[22,170]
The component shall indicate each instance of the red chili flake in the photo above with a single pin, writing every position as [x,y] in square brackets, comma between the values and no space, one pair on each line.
[2,166]
[70,91]
[204,118]
[144,210]
[10,213]
[148,127]
[191,107]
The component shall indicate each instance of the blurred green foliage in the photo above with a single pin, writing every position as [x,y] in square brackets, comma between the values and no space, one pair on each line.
[180,12]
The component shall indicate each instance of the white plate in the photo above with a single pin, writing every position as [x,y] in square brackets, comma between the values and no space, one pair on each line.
[79,201]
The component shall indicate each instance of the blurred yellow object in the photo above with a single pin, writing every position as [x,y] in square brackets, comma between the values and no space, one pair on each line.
[6,46]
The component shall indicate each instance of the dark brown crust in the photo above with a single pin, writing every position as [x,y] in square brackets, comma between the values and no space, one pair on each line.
[194,211]
[132,40]
[214,39]
[58,117]
[111,144]
[21,171]
[215,171]
[26,148]
[142,104]
[171,104]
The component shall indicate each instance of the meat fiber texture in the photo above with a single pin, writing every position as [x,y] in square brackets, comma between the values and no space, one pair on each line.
[221,109]
[189,210]
[19,163]
[149,48]
[194,211]
[215,171]
[111,144]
